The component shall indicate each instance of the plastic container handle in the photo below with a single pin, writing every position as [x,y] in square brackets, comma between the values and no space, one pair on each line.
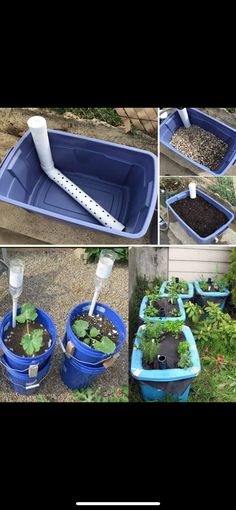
[79,360]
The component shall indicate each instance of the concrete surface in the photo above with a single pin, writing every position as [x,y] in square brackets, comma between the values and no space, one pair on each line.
[56,279]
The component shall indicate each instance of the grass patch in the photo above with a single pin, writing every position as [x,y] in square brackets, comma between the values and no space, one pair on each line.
[225,188]
[216,382]
[108,115]
[93,254]
[119,394]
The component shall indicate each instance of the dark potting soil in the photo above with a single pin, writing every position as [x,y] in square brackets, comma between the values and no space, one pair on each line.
[169,348]
[168,307]
[13,336]
[100,322]
[200,215]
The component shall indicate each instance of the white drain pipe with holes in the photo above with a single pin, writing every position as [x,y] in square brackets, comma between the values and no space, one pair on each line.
[38,128]
[183,113]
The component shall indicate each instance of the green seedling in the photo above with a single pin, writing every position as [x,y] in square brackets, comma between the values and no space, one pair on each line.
[31,341]
[89,335]
[203,284]
[175,312]
[151,311]
[184,353]
[180,287]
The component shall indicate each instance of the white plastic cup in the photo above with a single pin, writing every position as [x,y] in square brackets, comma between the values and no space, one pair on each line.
[184,117]
[192,190]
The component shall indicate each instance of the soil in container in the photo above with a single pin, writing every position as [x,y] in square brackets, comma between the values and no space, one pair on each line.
[168,307]
[169,348]
[200,145]
[203,217]
[13,336]
[100,322]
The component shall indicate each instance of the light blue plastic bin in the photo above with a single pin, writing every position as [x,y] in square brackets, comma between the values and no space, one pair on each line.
[144,305]
[146,377]
[222,296]
[187,295]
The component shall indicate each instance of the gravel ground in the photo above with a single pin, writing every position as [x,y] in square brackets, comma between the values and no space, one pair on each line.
[56,279]
[200,145]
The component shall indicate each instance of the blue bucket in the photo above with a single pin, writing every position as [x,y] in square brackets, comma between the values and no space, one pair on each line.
[21,382]
[23,363]
[77,375]
[84,352]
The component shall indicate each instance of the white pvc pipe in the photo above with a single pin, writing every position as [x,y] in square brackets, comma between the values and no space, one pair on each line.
[184,117]
[93,303]
[192,190]
[14,312]
[38,129]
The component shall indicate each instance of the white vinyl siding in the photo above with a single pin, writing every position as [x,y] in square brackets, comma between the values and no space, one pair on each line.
[192,262]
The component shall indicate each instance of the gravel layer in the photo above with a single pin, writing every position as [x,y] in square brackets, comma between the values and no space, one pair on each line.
[200,145]
[57,280]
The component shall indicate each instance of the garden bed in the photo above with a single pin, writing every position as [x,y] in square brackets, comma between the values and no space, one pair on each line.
[200,145]
[200,215]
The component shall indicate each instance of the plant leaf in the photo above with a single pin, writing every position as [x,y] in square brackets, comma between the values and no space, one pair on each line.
[28,313]
[80,328]
[105,345]
[32,343]
[94,332]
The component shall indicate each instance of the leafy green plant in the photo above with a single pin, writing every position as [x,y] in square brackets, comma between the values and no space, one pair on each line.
[89,335]
[28,313]
[180,287]
[31,341]
[117,394]
[217,332]
[225,188]
[175,313]
[184,353]
[203,284]
[231,276]
[151,311]
[173,296]
[150,337]
[93,254]
[193,311]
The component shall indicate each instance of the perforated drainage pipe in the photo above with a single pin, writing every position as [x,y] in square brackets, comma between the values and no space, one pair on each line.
[38,128]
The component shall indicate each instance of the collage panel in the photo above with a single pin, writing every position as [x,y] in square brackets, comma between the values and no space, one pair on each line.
[64,322]
[182,324]
[78,176]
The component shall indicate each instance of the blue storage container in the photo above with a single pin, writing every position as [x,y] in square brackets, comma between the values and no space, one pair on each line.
[214,126]
[121,179]
[149,378]
[201,240]
[144,305]
[186,295]
[216,297]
